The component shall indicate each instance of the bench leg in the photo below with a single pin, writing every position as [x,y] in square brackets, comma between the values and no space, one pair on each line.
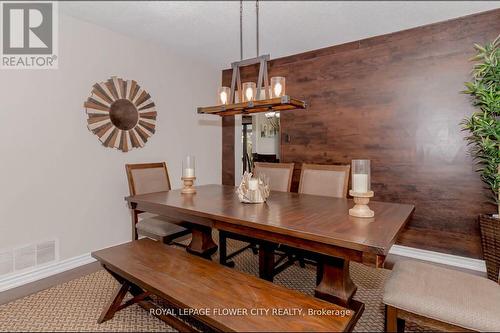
[114,305]
[141,298]
[392,322]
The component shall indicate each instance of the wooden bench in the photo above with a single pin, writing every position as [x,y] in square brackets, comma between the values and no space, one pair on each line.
[204,291]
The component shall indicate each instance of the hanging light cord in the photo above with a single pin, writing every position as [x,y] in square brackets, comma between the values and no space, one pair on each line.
[241,29]
[256,28]
[257,24]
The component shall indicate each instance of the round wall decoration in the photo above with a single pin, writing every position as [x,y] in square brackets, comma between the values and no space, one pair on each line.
[121,114]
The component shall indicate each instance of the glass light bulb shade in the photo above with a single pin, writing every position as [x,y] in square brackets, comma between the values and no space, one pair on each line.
[188,167]
[277,86]
[223,95]
[270,114]
[249,91]
[361,179]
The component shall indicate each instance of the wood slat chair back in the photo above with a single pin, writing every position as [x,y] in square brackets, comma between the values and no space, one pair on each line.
[280,174]
[327,180]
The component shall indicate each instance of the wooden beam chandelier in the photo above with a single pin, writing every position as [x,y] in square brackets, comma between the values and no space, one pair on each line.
[248,97]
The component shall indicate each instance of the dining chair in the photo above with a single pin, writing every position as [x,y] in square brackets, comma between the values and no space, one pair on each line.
[279,174]
[315,179]
[280,179]
[326,180]
[149,178]
[440,298]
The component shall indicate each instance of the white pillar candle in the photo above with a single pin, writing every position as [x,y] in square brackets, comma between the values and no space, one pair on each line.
[189,172]
[223,97]
[253,184]
[277,89]
[360,183]
[249,94]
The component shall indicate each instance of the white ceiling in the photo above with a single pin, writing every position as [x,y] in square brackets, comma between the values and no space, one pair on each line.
[209,31]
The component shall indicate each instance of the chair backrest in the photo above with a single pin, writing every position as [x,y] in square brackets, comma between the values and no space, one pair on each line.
[280,174]
[327,180]
[147,178]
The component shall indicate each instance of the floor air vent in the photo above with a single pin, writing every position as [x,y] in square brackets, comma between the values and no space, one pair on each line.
[28,256]
[24,257]
[45,252]
[6,262]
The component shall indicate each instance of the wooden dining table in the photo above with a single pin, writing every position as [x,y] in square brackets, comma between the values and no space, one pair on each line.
[317,224]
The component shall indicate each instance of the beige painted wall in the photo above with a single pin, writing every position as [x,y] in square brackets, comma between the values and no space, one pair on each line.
[56,179]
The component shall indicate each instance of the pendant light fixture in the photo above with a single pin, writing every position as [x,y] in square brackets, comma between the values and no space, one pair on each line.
[251,97]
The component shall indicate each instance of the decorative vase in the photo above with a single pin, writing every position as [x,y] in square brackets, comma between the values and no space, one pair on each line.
[258,193]
[490,240]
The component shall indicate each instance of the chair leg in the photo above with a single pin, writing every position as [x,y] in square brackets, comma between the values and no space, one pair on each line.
[223,250]
[171,239]
[319,273]
[302,262]
[392,322]
[400,325]
[135,219]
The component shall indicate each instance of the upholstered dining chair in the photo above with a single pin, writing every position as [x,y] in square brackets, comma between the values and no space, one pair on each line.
[280,179]
[150,178]
[440,299]
[315,179]
[326,180]
[279,174]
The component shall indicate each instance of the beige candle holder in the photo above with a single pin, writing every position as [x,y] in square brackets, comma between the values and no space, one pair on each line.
[188,185]
[361,201]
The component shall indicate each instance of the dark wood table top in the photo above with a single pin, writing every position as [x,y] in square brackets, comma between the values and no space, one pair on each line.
[314,218]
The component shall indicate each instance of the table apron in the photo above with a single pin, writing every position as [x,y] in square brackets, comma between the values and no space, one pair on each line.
[172,213]
[304,244]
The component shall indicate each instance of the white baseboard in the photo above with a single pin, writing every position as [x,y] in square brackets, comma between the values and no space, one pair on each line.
[439,258]
[18,279]
[38,273]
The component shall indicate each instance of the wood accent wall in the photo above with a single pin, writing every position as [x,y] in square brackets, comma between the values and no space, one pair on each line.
[394,99]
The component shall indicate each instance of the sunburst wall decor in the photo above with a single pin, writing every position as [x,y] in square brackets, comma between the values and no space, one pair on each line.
[121,114]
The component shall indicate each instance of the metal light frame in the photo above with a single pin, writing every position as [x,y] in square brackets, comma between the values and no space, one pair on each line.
[263,78]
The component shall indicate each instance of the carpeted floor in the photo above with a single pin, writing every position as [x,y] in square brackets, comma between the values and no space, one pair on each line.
[76,305]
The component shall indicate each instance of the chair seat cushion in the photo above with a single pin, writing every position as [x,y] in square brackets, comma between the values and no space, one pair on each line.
[159,225]
[446,295]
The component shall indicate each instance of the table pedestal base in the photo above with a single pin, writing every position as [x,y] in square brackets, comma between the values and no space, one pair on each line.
[335,283]
[336,286]
[202,243]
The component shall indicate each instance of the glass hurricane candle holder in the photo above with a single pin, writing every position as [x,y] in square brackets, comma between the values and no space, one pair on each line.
[188,175]
[223,95]
[277,86]
[249,91]
[360,176]
[361,189]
